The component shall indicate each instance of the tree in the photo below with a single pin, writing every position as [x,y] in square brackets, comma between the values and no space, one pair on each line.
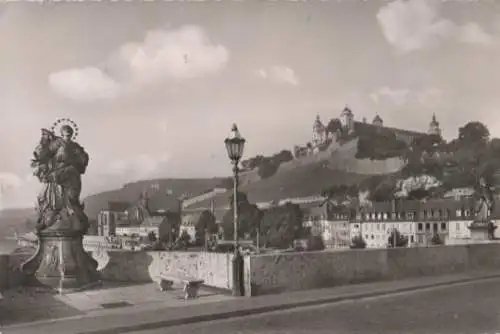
[315,243]
[357,242]
[436,240]
[281,225]
[283,156]
[152,236]
[396,239]
[474,133]
[185,238]
[249,218]
[267,168]
[205,225]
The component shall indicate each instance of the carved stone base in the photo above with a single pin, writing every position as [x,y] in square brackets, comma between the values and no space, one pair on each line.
[60,263]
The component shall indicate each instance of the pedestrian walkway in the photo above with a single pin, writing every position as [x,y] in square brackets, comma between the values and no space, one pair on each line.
[149,314]
[27,304]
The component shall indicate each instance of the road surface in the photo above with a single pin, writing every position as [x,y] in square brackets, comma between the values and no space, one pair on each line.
[462,309]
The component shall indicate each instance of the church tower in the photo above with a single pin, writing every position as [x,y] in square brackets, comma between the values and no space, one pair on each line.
[434,128]
[319,132]
[347,119]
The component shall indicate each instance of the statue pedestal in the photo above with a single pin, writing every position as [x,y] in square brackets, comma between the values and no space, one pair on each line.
[61,263]
[482,230]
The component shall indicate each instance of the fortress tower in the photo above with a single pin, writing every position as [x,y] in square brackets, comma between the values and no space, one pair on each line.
[434,128]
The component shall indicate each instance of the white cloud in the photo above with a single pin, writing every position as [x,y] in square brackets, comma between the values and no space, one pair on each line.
[395,96]
[472,33]
[82,84]
[429,96]
[415,24]
[140,166]
[185,53]
[9,181]
[279,75]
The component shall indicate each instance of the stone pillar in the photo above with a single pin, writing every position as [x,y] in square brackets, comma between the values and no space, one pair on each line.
[60,263]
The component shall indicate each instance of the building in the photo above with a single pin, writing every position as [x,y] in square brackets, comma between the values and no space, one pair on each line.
[434,128]
[325,220]
[109,218]
[321,135]
[160,226]
[419,221]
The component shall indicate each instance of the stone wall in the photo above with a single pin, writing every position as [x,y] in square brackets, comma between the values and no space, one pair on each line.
[130,266]
[276,273]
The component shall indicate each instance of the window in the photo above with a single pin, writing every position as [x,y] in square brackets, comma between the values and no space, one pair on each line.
[427,227]
[435,227]
[410,215]
[425,214]
[412,239]
[443,226]
[459,213]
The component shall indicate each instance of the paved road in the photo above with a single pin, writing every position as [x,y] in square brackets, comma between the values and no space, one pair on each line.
[473,308]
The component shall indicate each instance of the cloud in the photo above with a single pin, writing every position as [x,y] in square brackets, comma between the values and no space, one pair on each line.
[403,96]
[395,96]
[472,33]
[9,181]
[87,83]
[415,24]
[184,53]
[430,96]
[140,166]
[279,75]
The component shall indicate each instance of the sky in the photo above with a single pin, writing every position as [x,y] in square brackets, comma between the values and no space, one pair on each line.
[155,86]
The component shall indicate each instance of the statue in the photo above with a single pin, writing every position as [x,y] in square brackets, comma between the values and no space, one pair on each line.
[60,261]
[59,163]
[482,228]
[486,200]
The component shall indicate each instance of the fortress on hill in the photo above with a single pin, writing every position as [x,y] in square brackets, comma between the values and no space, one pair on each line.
[323,136]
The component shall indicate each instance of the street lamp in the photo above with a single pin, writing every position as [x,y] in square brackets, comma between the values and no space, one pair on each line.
[235,144]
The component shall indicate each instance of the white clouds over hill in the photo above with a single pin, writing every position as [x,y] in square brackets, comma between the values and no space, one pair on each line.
[415,24]
[184,53]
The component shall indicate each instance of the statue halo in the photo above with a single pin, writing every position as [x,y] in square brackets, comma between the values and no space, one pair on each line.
[56,126]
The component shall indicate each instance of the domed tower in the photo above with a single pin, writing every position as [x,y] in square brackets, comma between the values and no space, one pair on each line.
[434,128]
[377,121]
[347,119]
[319,132]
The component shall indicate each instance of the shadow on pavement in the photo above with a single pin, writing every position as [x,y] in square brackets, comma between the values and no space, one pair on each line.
[22,305]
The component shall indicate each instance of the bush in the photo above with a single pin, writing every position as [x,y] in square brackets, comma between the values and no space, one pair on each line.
[315,243]
[267,168]
[357,242]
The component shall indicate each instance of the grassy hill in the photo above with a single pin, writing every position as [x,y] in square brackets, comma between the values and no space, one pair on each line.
[299,182]
[131,191]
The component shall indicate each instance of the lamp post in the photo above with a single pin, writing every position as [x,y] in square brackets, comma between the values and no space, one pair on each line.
[235,144]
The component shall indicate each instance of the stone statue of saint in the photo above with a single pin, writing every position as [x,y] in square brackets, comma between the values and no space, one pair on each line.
[59,163]
[486,201]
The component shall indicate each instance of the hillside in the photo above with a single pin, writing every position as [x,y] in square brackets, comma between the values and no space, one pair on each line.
[302,181]
[12,220]
[131,191]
